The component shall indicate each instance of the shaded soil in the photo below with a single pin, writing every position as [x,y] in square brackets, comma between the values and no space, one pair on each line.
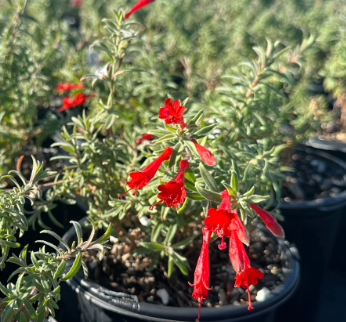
[121,272]
[314,177]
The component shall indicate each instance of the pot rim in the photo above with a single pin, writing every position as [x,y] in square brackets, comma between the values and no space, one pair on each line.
[321,142]
[154,312]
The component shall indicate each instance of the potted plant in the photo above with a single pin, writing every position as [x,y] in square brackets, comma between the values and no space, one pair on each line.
[104,148]
[33,49]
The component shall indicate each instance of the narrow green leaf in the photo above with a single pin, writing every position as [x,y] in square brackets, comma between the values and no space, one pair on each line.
[19,282]
[208,178]
[23,253]
[196,117]
[4,290]
[250,192]
[194,196]
[181,262]
[52,233]
[60,269]
[22,317]
[155,233]
[49,244]
[10,244]
[38,286]
[105,236]
[204,131]
[158,132]
[243,215]
[170,234]
[34,260]
[8,313]
[234,181]
[207,194]
[169,128]
[170,266]
[183,208]
[174,155]
[142,251]
[191,146]
[153,246]
[78,230]
[165,138]
[75,267]
[30,309]
[189,175]
[182,244]
[257,198]
[231,191]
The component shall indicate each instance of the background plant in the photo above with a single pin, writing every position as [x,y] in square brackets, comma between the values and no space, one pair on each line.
[36,290]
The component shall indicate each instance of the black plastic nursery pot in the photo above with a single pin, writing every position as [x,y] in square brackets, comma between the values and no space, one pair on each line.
[338,150]
[312,226]
[97,303]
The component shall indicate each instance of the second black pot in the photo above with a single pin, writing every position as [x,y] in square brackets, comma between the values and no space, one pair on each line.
[338,150]
[312,226]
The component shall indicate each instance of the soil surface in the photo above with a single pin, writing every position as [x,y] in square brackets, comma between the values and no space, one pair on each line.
[121,272]
[314,177]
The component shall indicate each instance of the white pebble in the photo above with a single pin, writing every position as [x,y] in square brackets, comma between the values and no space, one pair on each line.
[144,221]
[113,239]
[262,294]
[163,294]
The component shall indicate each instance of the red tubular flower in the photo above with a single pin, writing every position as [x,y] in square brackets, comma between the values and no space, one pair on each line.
[201,276]
[250,276]
[246,275]
[140,4]
[173,192]
[237,254]
[68,102]
[224,221]
[172,113]
[144,137]
[139,179]
[269,221]
[206,156]
[67,87]
[80,98]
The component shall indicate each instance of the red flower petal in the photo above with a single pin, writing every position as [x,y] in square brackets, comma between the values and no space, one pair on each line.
[139,179]
[224,221]
[67,87]
[172,113]
[140,4]
[269,221]
[206,156]
[201,276]
[237,254]
[173,192]
[144,137]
